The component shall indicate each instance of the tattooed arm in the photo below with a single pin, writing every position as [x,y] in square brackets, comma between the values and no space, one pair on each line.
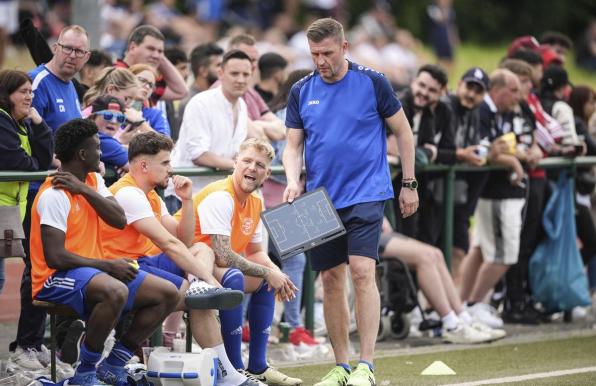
[225,256]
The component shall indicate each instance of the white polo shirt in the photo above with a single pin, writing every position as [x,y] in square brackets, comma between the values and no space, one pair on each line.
[207,125]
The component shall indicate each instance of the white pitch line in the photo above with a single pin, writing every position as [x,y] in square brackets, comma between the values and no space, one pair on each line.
[526,377]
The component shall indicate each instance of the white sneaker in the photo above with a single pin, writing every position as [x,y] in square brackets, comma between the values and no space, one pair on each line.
[26,359]
[202,295]
[465,334]
[485,314]
[45,356]
[495,333]
[579,312]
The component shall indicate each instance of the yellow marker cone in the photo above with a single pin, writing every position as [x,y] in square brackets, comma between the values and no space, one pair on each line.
[438,368]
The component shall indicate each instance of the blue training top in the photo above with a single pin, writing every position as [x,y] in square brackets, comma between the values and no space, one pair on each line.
[156,120]
[344,130]
[112,152]
[54,99]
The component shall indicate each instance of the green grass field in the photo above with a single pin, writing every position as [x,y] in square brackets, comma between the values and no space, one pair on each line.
[484,362]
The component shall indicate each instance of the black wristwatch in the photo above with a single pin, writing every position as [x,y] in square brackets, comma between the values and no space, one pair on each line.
[410,184]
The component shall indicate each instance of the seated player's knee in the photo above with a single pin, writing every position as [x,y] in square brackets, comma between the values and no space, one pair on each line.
[233,279]
[115,293]
[202,249]
[171,296]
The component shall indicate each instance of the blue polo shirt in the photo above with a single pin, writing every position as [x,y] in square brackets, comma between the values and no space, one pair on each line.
[54,99]
[344,133]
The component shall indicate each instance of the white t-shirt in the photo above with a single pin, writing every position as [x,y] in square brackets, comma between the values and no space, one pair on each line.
[215,216]
[53,205]
[136,205]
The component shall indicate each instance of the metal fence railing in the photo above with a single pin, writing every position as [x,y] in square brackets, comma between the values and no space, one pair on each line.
[449,178]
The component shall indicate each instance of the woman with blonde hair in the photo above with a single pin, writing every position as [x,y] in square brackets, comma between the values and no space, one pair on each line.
[120,83]
[146,76]
[116,82]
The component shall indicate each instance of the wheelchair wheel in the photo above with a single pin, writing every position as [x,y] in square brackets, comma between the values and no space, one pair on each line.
[400,326]
[384,328]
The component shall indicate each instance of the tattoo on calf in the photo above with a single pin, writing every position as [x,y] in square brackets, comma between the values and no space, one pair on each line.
[226,256]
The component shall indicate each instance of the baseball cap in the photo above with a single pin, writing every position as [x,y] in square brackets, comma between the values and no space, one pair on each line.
[527,42]
[549,56]
[107,102]
[478,76]
[554,77]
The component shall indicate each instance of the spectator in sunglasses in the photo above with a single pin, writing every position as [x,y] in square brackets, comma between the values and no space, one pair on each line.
[108,113]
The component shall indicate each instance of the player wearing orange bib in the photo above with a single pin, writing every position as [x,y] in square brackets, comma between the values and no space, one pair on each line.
[164,246]
[227,216]
[68,265]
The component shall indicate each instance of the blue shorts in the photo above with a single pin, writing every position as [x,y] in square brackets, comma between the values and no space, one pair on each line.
[68,288]
[163,266]
[363,224]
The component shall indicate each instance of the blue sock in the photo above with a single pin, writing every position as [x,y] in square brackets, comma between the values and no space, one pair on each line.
[345,366]
[119,355]
[370,365]
[88,359]
[260,317]
[231,320]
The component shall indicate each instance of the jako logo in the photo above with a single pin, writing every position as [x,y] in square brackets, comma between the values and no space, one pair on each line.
[315,102]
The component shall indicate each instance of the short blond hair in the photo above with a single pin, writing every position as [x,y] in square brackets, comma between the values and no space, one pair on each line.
[261,145]
[76,29]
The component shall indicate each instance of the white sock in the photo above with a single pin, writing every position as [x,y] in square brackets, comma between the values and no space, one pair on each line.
[232,377]
[450,321]
[465,317]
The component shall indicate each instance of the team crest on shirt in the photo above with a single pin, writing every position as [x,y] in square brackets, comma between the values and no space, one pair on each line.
[247,225]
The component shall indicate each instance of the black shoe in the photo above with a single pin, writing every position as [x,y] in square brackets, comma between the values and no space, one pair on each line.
[72,342]
[520,314]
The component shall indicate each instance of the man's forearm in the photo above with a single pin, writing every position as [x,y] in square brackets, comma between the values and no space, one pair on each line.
[109,210]
[405,144]
[213,160]
[186,225]
[227,257]
[292,162]
[176,87]
[183,258]
[274,130]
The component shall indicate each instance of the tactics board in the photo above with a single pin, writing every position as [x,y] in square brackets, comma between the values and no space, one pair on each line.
[309,221]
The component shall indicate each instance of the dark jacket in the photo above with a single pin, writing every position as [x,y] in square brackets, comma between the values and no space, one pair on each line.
[13,157]
[436,127]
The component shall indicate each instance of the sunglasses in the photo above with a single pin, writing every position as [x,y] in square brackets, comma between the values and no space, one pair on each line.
[109,116]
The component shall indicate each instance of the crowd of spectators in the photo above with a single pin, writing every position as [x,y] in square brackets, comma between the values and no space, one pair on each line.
[160,70]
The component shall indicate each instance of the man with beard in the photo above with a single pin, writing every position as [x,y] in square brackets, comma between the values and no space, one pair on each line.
[337,119]
[205,61]
[469,150]
[227,214]
[431,122]
[163,246]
